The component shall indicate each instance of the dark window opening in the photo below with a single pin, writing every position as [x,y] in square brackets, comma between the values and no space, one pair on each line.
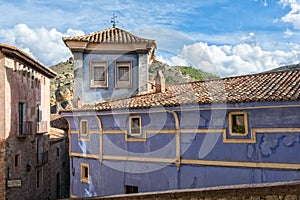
[131,189]
[21,118]
[135,125]
[17,160]
[238,123]
[85,172]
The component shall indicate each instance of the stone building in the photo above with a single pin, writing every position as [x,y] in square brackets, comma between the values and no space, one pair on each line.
[24,125]
[59,157]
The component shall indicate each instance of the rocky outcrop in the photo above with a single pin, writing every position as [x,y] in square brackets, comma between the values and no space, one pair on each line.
[62,86]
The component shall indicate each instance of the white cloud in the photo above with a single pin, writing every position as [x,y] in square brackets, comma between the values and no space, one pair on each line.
[288,33]
[43,44]
[293,16]
[239,59]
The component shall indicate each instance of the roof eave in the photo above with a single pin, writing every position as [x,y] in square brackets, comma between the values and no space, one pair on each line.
[14,52]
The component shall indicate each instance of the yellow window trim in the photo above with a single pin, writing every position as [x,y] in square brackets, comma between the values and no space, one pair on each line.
[87,128]
[230,118]
[84,179]
[130,125]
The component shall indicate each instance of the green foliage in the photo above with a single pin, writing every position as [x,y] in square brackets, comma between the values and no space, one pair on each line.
[238,129]
[196,73]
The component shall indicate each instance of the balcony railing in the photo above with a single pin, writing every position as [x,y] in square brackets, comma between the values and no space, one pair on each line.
[26,128]
[42,158]
[42,127]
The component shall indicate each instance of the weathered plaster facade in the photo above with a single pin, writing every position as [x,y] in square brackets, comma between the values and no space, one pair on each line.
[25,123]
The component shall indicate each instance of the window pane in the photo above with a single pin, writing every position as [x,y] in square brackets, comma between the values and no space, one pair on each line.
[99,73]
[123,73]
[17,156]
[135,125]
[83,127]
[86,172]
[238,124]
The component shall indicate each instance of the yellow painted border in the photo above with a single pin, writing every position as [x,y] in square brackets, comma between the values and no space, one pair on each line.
[286,166]
[75,114]
[230,114]
[108,132]
[204,130]
[255,131]
[83,179]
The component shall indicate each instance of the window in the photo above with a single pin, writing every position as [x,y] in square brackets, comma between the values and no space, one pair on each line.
[135,125]
[57,151]
[84,127]
[238,123]
[84,172]
[17,160]
[98,74]
[123,71]
[22,116]
[131,189]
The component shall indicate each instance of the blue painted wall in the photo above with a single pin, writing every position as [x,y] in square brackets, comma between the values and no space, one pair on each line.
[90,95]
[109,176]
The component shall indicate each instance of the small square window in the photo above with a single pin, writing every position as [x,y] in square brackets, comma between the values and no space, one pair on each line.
[83,127]
[84,172]
[135,125]
[238,123]
[123,73]
[98,74]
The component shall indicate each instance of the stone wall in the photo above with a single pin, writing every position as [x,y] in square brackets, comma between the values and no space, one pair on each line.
[270,191]
[2,169]
[58,167]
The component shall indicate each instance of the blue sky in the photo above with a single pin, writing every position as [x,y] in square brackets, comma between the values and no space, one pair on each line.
[224,37]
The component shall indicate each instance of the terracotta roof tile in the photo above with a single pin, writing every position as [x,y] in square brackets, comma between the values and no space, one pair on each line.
[270,86]
[111,35]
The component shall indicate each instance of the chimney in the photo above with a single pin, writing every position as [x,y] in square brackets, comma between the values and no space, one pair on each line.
[78,103]
[160,83]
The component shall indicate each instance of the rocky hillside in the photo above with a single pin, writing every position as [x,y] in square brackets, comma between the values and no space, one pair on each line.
[62,84]
[287,67]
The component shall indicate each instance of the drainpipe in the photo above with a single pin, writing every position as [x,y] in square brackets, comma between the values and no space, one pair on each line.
[178,157]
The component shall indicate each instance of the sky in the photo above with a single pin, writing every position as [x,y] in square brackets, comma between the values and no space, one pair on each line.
[223,37]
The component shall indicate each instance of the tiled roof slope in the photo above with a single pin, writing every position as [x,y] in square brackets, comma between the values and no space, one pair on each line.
[111,35]
[272,86]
